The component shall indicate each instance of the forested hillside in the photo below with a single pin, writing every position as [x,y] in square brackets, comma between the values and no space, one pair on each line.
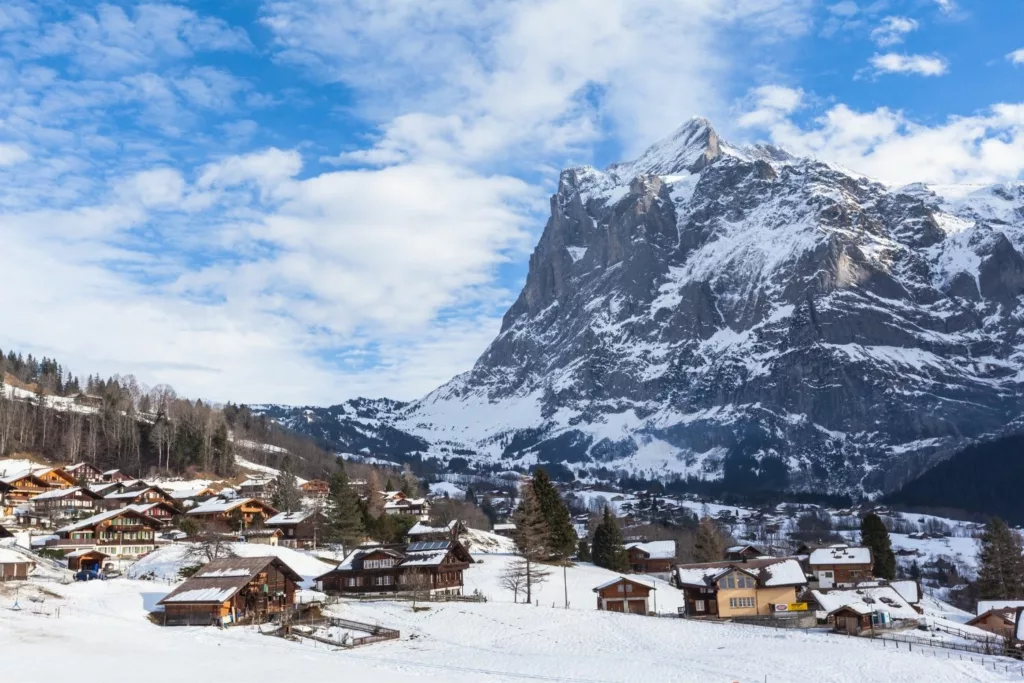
[118,422]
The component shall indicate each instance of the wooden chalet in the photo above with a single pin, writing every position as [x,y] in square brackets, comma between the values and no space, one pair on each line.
[1001,621]
[431,566]
[627,595]
[232,590]
[114,476]
[66,502]
[160,511]
[851,619]
[743,552]
[233,511]
[882,604]
[317,488]
[261,487]
[56,477]
[124,533]
[507,530]
[415,507]
[838,565]
[736,589]
[654,557]
[298,529]
[137,496]
[85,472]
[263,536]
[86,559]
[19,489]
[14,566]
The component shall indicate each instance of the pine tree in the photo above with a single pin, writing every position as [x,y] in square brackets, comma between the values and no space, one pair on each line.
[583,551]
[531,538]
[287,496]
[470,496]
[709,545]
[562,537]
[608,550]
[1000,565]
[345,518]
[875,536]
[915,571]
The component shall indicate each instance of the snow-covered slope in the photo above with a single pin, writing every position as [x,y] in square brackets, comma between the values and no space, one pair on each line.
[715,312]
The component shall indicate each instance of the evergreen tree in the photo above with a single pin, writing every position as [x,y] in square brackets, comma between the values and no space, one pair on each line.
[345,517]
[562,537]
[875,536]
[531,538]
[608,550]
[709,545]
[583,551]
[287,497]
[470,496]
[1000,565]
[915,571]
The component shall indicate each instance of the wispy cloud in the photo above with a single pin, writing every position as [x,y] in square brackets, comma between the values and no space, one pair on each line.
[1017,56]
[893,30]
[920,65]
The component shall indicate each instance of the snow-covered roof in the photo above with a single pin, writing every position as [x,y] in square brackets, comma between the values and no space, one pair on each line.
[58,493]
[127,494]
[145,508]
[840,554]
[986,605]
[11,557]
[100,488]
[504,527]
[289,517]
[425,559]
[631,579]
[875,599]
[769,572]
[10,479]
[202,595]
[421,529]
[101,517]
[85,551]
[1018,629]
[656,550]
[908,589]
[405,502]
[216,505]
[181,494]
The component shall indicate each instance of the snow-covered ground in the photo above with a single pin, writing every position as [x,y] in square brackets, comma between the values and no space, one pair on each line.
[493,642]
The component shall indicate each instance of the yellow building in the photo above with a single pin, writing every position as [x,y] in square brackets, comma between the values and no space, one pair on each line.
[756,587]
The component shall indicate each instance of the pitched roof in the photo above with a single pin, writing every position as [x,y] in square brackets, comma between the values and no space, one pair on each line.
[216,506]
[63,493]
[769,572]
[871,599]
[421,529]
[102,517]
[656,550]
[420,554]
[630,579]
[289,517]
[908,589]
[219,580]
[11,557]
[840,554]
[986,605]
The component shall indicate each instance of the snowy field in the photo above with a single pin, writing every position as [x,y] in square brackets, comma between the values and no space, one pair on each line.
[103,627]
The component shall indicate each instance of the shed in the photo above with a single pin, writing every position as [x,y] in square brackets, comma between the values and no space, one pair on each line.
[14,566]
[851,619]
[86,559]
[231,590]
[622,594]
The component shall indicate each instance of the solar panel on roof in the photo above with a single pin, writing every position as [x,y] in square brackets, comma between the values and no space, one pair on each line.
[427,545]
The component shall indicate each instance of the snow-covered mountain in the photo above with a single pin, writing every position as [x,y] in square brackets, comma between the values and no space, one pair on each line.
[714,311]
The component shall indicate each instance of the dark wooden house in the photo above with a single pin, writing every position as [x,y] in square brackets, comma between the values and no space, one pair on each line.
[743,552]
[138,496]
[66,502]
[87,559]
[232,511]
[14,566]
[299,529]
[435,567]
[425,532]
[317,488]
[654,557]
[839,565]
[85,472]
[232,590]
[120,533]
[623,594]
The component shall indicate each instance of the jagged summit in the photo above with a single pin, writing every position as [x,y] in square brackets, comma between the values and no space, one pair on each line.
[740,315]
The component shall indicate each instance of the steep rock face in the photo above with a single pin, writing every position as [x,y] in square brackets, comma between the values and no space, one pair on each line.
[708,311]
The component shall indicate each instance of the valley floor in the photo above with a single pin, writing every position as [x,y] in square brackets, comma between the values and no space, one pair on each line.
[102,633]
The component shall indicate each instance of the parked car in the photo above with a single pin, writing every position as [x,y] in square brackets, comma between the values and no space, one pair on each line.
[89,575]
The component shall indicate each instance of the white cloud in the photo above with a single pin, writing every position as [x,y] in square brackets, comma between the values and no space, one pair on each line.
[846,8]
[892,30]
[922,65]
[210,88]
[885,144]
[947,6]
[1017,56]
[769,104]
[11,154]
[470,80]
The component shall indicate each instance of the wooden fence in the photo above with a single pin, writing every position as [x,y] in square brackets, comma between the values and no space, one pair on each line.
[375,633]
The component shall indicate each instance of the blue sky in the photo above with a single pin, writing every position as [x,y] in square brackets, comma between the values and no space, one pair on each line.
[307,200]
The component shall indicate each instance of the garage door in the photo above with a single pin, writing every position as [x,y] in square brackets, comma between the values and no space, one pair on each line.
[614,605]
[637,607]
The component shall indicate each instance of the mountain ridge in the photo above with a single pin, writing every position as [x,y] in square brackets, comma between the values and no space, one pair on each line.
[736,314]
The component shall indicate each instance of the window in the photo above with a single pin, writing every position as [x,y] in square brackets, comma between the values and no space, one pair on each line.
[378,564]
[620,588]
[741,603]
[354,581]
[382,580]
[743,581]
[629,588]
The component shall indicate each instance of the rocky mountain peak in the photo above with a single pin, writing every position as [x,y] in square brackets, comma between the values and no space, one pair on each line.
[689,149]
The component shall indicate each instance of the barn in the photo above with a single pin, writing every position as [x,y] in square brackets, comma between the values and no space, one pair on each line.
[624,595]
[14,566]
